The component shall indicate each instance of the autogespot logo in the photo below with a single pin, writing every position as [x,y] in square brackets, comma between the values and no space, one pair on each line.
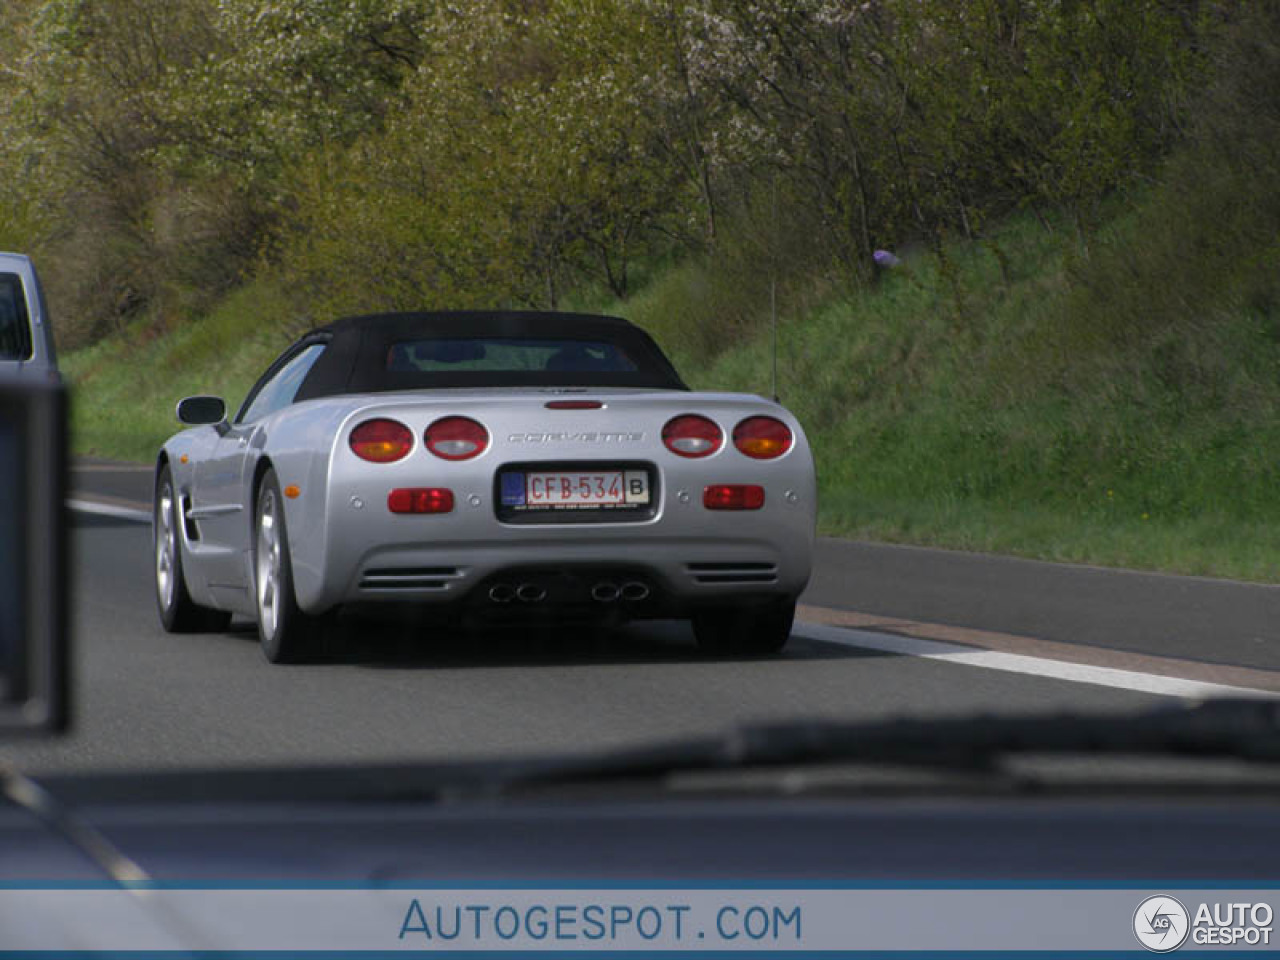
[1161,924]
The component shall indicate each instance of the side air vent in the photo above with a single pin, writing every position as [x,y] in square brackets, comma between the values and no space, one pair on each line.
[192,528]
[408,578]
[733,572]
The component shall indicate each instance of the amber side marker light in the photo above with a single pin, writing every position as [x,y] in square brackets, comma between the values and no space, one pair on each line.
[292,491]
[733,496]
[420,500]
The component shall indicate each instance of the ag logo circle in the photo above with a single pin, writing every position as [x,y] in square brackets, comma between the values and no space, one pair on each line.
[1161,923]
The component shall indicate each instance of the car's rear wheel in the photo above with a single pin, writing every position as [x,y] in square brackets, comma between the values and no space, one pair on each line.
[287,634]
[745,630]
[178,612]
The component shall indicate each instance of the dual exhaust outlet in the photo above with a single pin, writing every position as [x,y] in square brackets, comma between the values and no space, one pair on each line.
[606,591]
[525,593]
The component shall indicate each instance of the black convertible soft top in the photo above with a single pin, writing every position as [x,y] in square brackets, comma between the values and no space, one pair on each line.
[357,357]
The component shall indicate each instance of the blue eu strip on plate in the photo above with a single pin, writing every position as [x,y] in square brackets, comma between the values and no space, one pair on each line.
[513,489]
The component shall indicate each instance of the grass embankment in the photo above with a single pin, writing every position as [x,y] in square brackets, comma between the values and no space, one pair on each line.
[1010,397]
[126,386]
[1016,411]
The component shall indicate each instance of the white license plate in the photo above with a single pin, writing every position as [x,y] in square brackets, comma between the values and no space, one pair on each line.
[586,488]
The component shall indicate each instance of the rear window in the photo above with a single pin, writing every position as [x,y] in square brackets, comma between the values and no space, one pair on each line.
[15,326]
[483,350]
[507,355]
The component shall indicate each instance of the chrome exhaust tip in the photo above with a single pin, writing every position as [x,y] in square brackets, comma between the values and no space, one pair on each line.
[531,592]
[502,593]
[635,590]
[605,592]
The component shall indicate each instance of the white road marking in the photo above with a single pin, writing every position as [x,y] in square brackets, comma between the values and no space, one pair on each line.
[109,510]
[1018,663]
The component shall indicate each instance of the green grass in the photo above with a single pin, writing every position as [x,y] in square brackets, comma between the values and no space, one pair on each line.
[124,389]
[970,407]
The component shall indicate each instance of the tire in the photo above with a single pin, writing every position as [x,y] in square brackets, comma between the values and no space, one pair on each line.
[746,630]
[287,634]
[178,612]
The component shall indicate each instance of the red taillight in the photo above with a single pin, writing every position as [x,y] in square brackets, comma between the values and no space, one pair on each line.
[733,496]
[692,436]
[457,438]
[381,441]
[573,404]
[762,438]
[420,500]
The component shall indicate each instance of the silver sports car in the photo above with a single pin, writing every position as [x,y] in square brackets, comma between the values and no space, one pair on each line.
[485,468]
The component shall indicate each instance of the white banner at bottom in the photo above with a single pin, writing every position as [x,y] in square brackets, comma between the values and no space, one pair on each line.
[647,920]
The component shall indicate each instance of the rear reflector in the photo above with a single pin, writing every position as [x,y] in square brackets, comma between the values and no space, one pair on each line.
[381,441]
[420,500]
[692,436]
[733,496]
[573,404]
[457,438]
[762,438]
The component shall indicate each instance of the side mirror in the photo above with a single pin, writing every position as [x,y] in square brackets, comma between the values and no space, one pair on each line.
[200,411]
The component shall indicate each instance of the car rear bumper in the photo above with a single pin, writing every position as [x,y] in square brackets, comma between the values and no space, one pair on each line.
[684,558]
[660,577]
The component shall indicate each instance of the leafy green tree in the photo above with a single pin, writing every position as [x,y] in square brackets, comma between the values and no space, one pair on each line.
[520,160]
[276,78]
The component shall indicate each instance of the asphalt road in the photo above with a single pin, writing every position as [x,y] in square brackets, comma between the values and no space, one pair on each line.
[1195,618]
[1065,638]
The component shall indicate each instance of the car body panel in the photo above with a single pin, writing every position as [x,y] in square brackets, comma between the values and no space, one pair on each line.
[42,361]
[346,546]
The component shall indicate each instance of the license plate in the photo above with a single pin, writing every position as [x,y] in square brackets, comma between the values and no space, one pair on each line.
[575,489]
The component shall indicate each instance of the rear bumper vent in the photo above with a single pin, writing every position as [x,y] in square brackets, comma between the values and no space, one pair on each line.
[408,578]
[733,572]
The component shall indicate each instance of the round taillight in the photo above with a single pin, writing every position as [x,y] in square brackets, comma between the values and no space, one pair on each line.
[457,438]
[762,438]
[692,436]
[381,441]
